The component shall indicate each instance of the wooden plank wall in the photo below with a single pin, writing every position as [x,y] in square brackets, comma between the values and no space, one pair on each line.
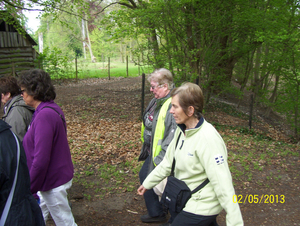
[16,53]
[12,39]
[16,59]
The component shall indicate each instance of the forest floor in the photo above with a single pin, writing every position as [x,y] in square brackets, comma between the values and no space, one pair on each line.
[103,118]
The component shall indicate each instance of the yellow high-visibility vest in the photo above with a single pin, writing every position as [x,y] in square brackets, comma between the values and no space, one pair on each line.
[159,129]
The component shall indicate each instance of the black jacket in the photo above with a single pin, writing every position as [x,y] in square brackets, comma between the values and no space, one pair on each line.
[24,208]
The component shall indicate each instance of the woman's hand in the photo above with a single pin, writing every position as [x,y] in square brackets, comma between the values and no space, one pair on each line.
[141,190]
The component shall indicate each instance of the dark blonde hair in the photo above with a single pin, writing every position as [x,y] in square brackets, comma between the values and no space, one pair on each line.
[190,94]
[162,76]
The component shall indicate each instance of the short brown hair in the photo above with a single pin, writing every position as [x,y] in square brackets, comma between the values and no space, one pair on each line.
[9,84]
[190,94]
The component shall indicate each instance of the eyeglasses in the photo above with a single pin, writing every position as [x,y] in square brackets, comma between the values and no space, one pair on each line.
[22,91]
[154,87]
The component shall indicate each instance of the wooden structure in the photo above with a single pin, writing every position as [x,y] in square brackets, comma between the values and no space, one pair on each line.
[16,48]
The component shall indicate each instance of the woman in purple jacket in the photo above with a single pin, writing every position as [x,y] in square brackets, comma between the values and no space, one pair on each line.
[46,147]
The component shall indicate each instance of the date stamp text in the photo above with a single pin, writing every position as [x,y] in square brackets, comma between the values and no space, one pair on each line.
[264,198]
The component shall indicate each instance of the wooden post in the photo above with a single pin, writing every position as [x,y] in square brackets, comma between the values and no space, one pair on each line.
[103,62]
[143,95]
[251,112]
[127,66]
[108,67]
[76,71]
[139,64]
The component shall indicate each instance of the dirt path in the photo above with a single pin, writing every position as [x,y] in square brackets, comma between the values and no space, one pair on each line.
[103,122]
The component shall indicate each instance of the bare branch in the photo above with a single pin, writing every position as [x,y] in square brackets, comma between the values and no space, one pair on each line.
[103,9]
[133,3]
[133,6]
[42,10]
[127,5]
[20,7]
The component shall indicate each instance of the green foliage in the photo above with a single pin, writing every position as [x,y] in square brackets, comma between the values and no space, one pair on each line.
[100,69]
[258,136]
[102,46]
[55,63]
[228,109]
[216,41]
[254,43]
[63,34]
[288,104]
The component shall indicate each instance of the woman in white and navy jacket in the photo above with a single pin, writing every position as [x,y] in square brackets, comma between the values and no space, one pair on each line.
[200,154]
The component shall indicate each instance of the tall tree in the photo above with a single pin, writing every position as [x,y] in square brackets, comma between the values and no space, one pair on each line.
[209,38]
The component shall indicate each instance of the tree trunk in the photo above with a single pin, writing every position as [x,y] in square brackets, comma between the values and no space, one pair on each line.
[41,43]
[256,83]
[168,46]
[248,69]
[154,44]
[273,96]
[297,126]
[93,59]
[83,38]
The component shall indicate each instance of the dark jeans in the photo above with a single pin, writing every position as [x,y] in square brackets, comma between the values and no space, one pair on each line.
[190,219]
[153,205]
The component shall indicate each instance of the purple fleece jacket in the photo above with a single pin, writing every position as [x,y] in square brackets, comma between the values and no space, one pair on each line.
[47,149]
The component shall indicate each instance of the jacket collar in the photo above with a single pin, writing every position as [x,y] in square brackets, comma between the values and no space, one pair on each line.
[161,101]
[19,102]
[191,131]
[40,107]
[12,101]
[43,104]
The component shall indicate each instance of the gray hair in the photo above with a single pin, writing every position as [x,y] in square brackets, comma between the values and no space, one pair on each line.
[162,76]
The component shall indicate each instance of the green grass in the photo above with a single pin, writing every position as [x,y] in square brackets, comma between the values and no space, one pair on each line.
[87,69]
[100,70]
[252,153]
[117,178]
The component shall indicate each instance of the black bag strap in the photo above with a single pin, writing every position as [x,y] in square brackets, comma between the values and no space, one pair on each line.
[173,164]
[202,185]
[60,115]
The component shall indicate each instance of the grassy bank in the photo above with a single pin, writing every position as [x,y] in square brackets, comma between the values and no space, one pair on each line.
[103,70]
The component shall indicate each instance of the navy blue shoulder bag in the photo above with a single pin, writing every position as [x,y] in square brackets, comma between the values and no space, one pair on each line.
[177,193]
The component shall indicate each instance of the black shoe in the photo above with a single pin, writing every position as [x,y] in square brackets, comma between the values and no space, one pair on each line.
[147,219]
[165,224]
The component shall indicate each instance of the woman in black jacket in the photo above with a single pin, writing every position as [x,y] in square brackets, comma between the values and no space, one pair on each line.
[23,210]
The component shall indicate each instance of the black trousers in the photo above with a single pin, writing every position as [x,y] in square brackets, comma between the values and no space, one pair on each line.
[190,219]
[154,207]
